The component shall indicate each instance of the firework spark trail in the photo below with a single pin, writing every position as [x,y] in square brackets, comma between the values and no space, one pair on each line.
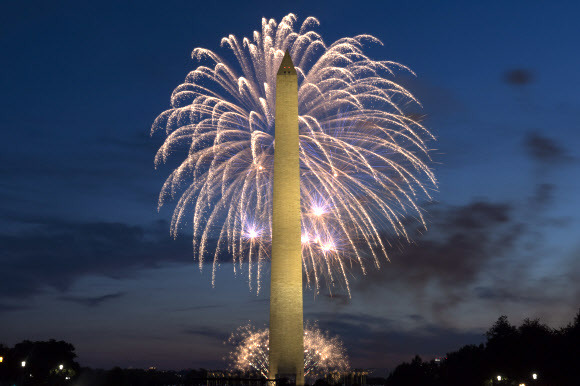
[363,161]
[322,353]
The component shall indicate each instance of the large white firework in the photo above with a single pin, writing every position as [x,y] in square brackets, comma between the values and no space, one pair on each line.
[363,160]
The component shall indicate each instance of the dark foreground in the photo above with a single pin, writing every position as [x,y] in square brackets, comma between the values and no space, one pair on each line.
[531,354]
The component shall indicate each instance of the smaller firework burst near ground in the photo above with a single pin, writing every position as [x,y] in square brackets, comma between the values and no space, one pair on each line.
[323,353]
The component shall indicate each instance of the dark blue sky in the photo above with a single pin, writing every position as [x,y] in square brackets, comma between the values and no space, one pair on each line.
[86,258]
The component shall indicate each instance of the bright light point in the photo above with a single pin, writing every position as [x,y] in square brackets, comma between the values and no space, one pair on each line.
[522,384]
[535,376]
[260,167]
[60,367]
[23,363]
[328,247]
[335,174]
[252,232]
[304,239]
[499,377]
[318,210]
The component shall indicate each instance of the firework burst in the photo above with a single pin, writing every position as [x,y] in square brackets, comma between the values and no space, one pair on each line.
[322,353]
[363,160]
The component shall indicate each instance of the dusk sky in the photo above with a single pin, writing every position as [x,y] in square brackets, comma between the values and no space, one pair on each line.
[85,256]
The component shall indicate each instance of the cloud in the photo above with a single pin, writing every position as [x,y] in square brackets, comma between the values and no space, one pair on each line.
[487,254]
[472,253]
[416,317]
[544,150]
[439,101]
[518,77]
[11,307]
[337,298]
[543,195]
[138,141]
[197,308]
[462,242]
[501,294]
[208,332]
[49,252]
[92,301]
[382,342]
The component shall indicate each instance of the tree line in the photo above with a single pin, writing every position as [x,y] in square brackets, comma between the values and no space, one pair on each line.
[529,354]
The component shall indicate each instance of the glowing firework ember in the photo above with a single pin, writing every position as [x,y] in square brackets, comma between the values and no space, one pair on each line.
[363,161]
[322,353]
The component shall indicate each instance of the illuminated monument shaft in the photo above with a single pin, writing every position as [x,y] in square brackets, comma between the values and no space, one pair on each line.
[286,320]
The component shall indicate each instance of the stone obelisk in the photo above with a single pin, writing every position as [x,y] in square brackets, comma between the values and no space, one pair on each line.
[286,320]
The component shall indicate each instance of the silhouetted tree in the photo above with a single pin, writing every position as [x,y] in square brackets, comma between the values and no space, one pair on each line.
[321,382]
[413,374]
[4,371]
[535,348]
[35,363]
[92,377]
[116,377]
[502,339]
[465,367]
[564,366]
[376,381]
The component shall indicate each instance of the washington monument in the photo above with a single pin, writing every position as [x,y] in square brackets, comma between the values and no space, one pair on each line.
[286,320]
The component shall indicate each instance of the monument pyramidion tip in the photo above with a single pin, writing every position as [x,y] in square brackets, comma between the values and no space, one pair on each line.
[287,67]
